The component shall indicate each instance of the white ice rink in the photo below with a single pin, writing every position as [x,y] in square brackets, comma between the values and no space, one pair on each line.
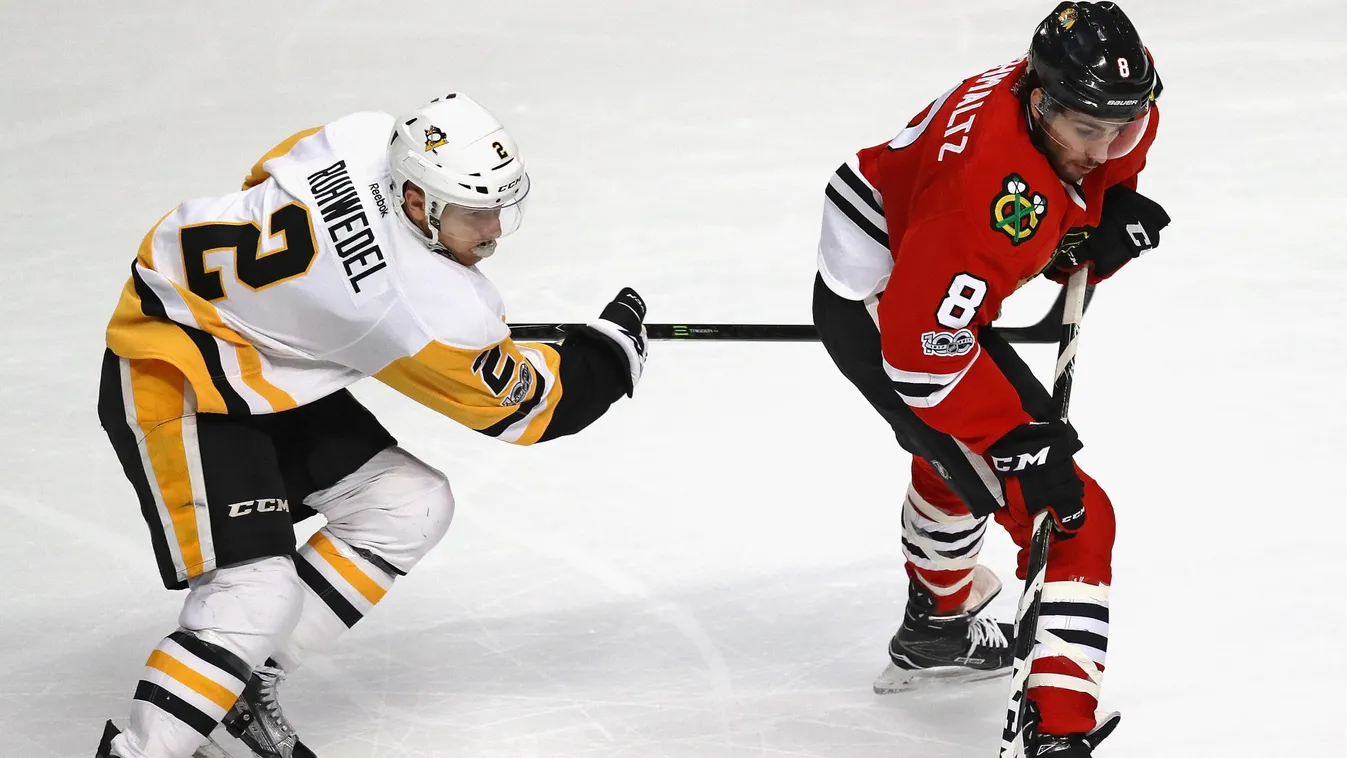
[712,570]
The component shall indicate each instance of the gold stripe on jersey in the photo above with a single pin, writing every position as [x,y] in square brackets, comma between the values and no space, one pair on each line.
[145,253]
[552,360]
[138,332]
[158,392]
[250,361]
[259,174]
[198,683]
[486,389]
[133,334]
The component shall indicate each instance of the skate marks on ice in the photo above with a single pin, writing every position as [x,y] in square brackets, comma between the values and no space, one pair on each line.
[773,665]
[609,679]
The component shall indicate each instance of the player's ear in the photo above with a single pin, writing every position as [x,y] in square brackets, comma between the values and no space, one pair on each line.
[414,203]
[1036,101]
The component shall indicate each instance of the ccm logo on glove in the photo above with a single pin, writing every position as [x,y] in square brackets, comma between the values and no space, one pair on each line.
[1025,460]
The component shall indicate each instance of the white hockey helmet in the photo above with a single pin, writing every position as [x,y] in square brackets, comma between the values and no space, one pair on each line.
[462,158]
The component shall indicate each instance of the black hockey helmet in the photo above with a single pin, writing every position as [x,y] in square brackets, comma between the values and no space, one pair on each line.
[1089,58]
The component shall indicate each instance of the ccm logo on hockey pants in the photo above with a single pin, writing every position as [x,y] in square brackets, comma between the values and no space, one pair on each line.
[263,505]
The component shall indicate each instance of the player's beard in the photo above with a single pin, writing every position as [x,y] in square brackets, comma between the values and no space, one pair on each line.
[1071,171]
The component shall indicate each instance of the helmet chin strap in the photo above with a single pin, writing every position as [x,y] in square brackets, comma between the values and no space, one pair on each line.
[1038,134]
[482,250]
[1036,131]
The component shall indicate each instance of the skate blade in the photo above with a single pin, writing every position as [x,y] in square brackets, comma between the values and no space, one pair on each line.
[213,749]
[894,679]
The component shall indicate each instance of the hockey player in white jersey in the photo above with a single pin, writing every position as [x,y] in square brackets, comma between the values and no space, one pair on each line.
[350,252]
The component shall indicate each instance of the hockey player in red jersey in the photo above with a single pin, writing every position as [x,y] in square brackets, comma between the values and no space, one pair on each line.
[1028,168]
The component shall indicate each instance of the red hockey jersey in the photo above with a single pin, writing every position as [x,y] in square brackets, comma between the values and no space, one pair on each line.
[947,220]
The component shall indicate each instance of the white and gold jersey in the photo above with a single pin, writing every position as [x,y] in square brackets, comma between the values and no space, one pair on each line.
[304,282]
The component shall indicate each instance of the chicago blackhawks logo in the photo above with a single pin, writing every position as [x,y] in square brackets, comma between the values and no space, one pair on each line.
[1016,212]
[434,138]
[1067,18]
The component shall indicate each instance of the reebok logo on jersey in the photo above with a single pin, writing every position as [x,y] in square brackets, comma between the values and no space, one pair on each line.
[379,199]
[1016,212]
[948,344]
[264,505]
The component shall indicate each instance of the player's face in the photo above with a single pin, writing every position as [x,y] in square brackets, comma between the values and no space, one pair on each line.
[470,233]
[1079,143]
[1072,160]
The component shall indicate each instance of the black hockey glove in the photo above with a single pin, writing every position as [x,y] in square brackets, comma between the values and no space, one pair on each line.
[622,322]
[1129,225]
[1038,455]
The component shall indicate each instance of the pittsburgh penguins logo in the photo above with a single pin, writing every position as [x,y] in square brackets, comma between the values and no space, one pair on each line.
[435,137]
[1016,212]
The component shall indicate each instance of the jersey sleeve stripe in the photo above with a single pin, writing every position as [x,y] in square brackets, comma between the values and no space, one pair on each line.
[502,391]
[862,188]
[529,427]
[521,412]
[854,258]
[849,208]
[926,390]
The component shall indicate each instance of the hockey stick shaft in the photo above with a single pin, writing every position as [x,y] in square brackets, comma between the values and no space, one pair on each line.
[1042,332]
[736,332]
[1026,619]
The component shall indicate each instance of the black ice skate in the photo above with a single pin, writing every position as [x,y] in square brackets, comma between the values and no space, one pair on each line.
[957,648]
[257,720]
[1071,745]
[105,745]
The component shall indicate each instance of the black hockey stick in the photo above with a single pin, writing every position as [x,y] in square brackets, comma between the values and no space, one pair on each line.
[1026,620]
[738,332]
[1049,328]
[1044,332]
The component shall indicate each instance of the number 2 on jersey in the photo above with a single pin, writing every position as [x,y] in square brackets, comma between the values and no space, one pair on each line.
[961,303]
[253,267]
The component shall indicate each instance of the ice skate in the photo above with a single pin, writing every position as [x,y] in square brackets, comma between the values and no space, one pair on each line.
[257,720]
[958,648]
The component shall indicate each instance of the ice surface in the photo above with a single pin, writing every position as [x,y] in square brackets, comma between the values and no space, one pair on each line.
[713,570]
